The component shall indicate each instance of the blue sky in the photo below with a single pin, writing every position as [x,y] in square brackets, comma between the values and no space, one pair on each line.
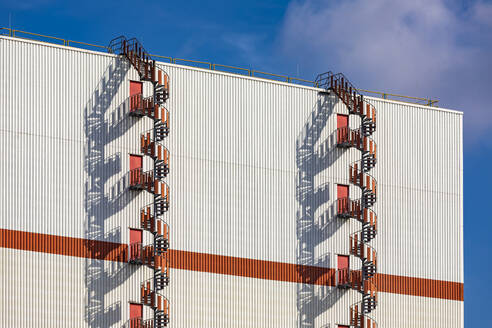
[428,48]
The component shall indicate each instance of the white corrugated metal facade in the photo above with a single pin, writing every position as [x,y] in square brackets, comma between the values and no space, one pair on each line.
[66,137]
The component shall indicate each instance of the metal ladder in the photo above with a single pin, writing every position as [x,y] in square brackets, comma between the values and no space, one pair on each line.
[151,216]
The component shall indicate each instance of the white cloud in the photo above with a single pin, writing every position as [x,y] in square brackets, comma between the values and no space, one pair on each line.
[246,45]
[418,47]
[482,13]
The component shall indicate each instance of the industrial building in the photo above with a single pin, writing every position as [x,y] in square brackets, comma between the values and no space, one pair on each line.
[142,193]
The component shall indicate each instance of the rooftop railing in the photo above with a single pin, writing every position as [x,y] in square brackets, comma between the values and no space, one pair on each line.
[208,65]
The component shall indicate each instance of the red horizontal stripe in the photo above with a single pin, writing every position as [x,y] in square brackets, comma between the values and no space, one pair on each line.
[229,265]
[60,245]
[251,268]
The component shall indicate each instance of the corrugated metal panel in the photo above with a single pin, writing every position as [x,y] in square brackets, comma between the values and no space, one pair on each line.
[66,137]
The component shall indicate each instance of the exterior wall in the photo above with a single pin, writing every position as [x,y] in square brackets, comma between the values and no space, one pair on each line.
[66,138]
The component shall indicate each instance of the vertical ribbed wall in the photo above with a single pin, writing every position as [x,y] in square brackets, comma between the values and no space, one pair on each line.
[233,180]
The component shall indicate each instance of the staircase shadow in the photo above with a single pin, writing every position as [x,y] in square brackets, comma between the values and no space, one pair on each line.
[119,195]
[328,153]
[100,167]
[120,121]
[324,226]
[107,316]
[329,296]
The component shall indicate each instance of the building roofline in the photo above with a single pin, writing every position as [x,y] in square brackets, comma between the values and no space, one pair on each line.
[255,78]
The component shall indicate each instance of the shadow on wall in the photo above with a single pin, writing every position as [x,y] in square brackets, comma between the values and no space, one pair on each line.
[102,277]
[312,157]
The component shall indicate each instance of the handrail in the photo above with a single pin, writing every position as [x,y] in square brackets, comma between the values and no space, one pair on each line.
[157,292]
[164,57]
[193,61]
[269,74]
[2,29]
[342,276]
[293,79]
[354,306]
[35,34]
[212,66]
[358,242]
[68,42]
[385,95]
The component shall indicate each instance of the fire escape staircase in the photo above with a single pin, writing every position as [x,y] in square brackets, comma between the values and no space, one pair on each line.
[151,216]
[358,209]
